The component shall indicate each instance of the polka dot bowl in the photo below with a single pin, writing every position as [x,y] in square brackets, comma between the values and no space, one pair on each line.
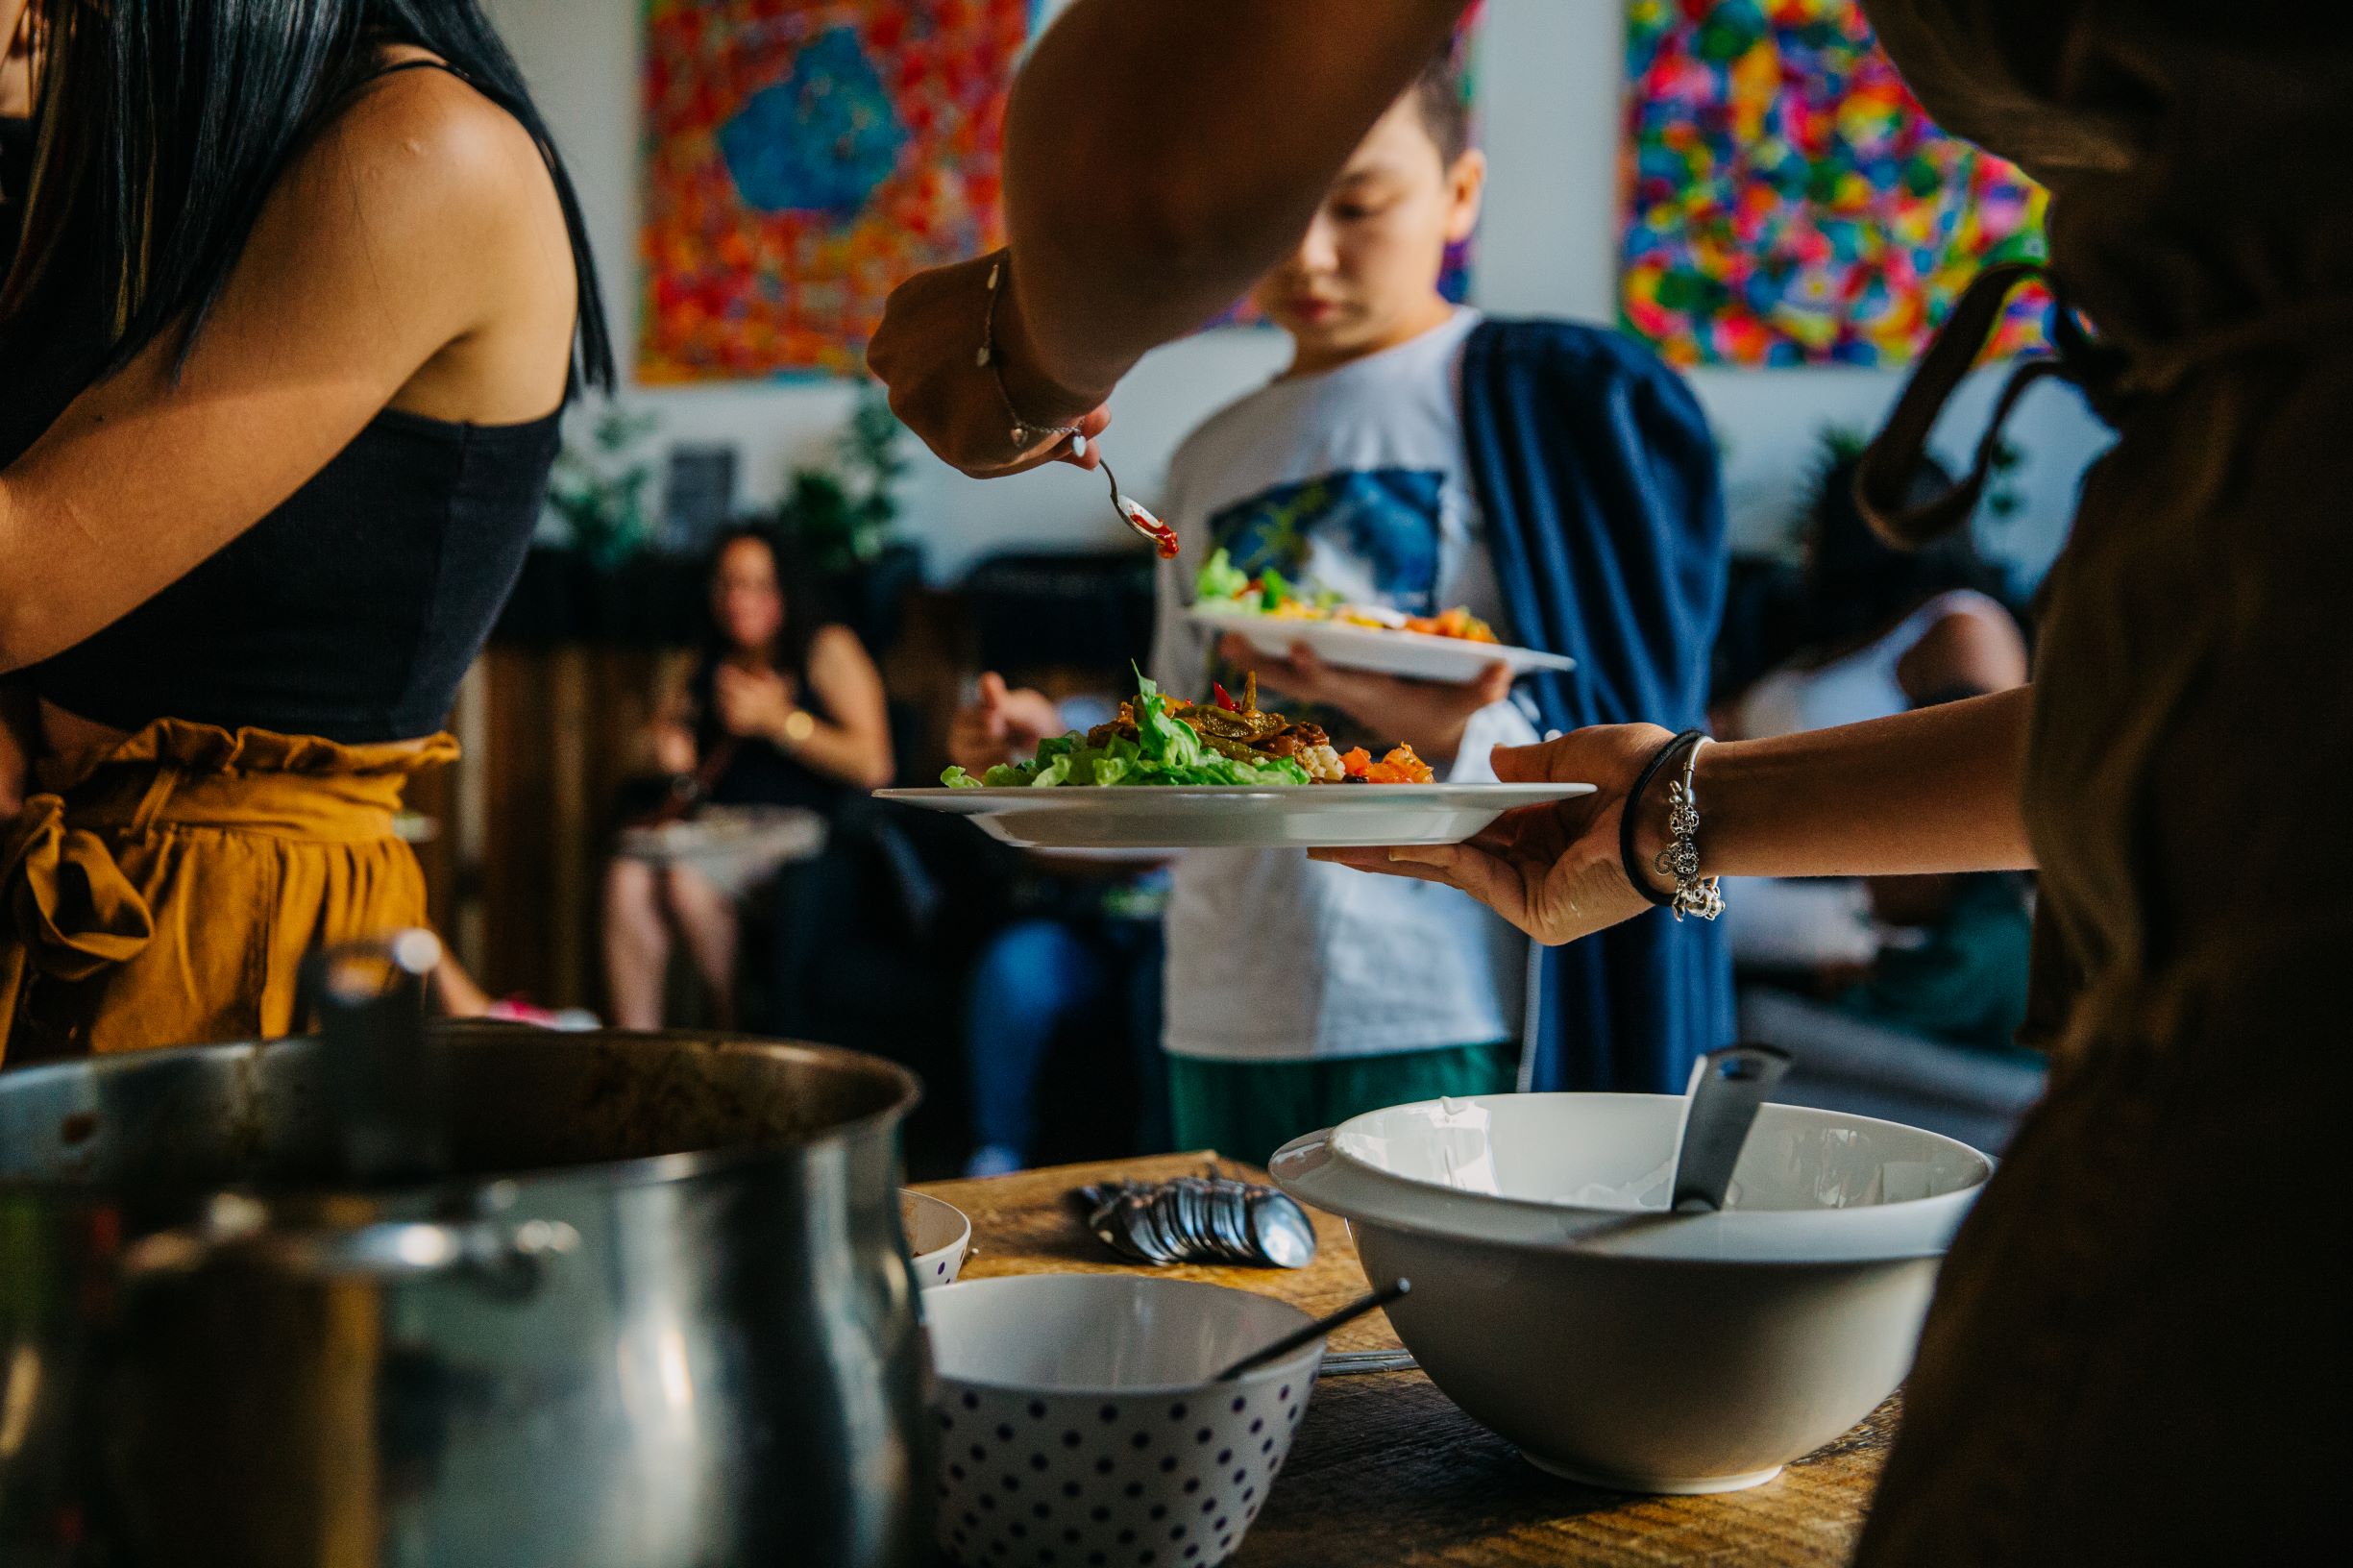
[938,1237]
[1076,1428]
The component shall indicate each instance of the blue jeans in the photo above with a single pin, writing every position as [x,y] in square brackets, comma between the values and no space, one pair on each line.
[1034,980]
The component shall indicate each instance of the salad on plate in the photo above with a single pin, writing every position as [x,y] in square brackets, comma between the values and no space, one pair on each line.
[1223,584]
[1157,740]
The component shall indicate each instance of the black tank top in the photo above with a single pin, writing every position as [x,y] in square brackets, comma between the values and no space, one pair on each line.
[351,612]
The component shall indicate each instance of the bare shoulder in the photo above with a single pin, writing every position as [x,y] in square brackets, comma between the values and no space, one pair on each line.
[835,651]
[1967,648]
[420,145]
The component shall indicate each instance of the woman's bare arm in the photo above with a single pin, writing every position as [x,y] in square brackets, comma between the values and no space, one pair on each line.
[1932,791]
[393,237]
[15,59]
[1159,155]
[855,747]
[1162,153]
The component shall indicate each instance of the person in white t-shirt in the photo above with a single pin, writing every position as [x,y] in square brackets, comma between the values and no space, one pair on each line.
[1300,993]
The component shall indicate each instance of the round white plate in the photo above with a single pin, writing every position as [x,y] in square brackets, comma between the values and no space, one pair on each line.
[1415,655]
[1297,817]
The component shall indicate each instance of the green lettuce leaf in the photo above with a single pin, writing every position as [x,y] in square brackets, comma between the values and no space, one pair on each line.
[1221,578]
[1168,752]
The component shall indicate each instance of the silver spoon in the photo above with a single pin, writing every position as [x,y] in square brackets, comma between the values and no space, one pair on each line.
[1134,514]
[1316,1330]
[1726,1089]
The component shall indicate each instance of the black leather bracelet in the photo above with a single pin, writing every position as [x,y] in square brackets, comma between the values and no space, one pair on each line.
[1651,770]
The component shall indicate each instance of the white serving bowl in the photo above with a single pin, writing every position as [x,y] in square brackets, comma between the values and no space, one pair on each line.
[1618,1344]
[939,1236]
[1076,1423]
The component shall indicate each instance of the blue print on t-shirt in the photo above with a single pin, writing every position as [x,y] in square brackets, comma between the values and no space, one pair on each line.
[1384,518]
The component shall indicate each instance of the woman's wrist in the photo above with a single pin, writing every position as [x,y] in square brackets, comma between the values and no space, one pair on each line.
[796,726]
[1647,810]
[1660,828]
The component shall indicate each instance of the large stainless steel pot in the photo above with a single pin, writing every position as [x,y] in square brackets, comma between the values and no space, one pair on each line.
[653,1313]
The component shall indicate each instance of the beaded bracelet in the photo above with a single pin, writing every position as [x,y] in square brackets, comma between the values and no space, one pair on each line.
[1024,431]
[1679,860]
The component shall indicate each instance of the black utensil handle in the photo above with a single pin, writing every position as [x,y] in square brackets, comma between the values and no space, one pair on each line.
[1727,1088]
[1387,1293]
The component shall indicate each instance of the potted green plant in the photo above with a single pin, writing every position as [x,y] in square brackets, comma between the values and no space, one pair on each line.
[845,519]
[593,573]
[599,493]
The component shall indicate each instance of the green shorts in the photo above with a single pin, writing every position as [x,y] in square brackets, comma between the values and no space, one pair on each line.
[1247,1110]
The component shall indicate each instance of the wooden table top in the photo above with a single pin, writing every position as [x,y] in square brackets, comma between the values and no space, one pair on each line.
[1388,1471]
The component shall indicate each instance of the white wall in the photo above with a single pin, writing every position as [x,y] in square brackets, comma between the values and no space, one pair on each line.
[1550,74]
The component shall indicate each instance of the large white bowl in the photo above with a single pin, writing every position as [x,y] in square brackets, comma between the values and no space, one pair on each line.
[1557,1301]
[1077,1424]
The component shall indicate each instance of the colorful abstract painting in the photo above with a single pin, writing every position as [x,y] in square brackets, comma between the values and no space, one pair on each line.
[801,159]
[1788,202]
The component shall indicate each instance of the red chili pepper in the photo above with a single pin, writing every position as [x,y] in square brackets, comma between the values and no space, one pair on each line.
[1225,699]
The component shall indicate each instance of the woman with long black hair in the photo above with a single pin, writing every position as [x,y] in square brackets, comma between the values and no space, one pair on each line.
[302,292]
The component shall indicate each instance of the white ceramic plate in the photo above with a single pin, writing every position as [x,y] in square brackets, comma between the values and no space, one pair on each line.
[1296,817]
[1415,654]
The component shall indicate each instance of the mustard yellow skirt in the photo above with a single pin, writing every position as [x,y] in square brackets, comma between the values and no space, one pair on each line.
[165,891]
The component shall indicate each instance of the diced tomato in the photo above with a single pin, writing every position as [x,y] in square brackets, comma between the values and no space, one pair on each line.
[1400,767]
[1457,623]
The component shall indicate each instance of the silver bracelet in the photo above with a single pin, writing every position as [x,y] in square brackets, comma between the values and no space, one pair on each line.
[1023,431]
[1679,860]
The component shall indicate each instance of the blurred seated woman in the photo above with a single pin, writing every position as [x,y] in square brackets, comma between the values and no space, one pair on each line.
[1881,631]
[784,709]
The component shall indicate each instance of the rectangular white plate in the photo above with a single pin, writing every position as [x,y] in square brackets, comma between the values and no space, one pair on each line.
[1300,817]
[1416,655]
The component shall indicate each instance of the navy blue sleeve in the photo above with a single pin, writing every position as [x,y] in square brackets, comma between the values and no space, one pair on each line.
[1598,478]
[1596,474]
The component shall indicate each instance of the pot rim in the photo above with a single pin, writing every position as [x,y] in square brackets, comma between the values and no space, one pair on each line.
[642,1170]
